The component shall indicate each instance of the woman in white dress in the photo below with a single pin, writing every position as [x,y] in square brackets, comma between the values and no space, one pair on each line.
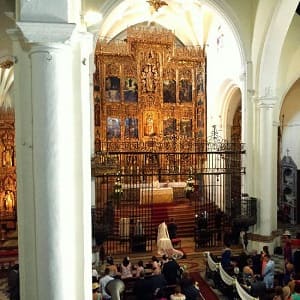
[164,244]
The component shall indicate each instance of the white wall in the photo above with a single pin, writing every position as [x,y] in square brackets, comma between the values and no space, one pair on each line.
[224,67]
[291,123]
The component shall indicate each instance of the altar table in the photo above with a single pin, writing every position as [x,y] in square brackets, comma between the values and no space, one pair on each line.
[156,195]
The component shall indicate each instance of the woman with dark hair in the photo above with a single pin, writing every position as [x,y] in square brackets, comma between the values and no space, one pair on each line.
[126,268]
[111,266]
[156,267]
[140,268]
[264,252]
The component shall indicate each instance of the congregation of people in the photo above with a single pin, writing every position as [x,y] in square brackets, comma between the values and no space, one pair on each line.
[158,279]
[269,276]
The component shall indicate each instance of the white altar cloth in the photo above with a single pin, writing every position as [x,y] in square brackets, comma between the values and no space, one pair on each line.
[156,195]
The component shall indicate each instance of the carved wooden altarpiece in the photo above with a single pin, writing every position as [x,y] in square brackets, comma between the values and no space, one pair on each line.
[149,93]
[7,169]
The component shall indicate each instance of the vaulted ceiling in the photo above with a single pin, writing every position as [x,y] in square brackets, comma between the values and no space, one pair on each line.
[190,20]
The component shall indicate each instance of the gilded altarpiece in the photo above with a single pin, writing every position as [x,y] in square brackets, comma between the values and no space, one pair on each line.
[7,170]
[149,91]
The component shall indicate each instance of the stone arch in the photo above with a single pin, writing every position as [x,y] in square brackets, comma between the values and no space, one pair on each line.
[272,47]
[232,100]
[288,87]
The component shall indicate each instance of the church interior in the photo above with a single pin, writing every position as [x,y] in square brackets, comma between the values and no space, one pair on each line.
[122,115]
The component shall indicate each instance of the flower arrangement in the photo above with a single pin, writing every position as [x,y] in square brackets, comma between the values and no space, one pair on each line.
[118,187]
[183,268]
[189,188]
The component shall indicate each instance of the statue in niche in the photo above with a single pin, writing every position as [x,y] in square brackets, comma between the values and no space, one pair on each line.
[8,201]
[147,79]
[97,141]
[7,157]
[149,125]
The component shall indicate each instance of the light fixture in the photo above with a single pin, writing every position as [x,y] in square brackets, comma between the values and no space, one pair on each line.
[157,4]
[7,61]
[92,18]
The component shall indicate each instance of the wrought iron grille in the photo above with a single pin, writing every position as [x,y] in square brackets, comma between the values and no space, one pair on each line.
[126,192]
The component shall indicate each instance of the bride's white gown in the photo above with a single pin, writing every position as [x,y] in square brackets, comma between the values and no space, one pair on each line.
[164,244]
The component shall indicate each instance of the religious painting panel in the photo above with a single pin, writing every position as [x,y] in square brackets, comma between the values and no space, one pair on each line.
[131,128]
[130,90]
[150,123]
[186,128]
[113,129]
[169,91]
[185,91]
[169,127]
[112,89]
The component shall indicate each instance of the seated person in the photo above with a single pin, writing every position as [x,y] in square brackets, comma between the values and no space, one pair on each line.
[189,287]
[156,267]
[126,268]
[96,294]
[104,281]
[139,268]
[177,294]
[226,259]
[143,288]
[171,271]
[111,266]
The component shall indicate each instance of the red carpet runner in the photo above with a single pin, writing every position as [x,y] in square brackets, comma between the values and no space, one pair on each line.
[206,291]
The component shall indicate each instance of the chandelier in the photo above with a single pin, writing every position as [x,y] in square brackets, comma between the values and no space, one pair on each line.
[7,61]
[157,4]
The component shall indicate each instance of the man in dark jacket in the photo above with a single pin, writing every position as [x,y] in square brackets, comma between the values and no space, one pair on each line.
[143,288]
[172,229]
[171,271]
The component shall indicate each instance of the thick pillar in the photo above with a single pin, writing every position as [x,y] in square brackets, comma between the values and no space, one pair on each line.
[53,165]
[267,172]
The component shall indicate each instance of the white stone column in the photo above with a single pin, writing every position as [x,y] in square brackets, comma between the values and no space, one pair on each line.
[248,131]
[266,175]
[53,149]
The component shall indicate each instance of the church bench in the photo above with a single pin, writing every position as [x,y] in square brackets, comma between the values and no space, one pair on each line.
[176,242]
